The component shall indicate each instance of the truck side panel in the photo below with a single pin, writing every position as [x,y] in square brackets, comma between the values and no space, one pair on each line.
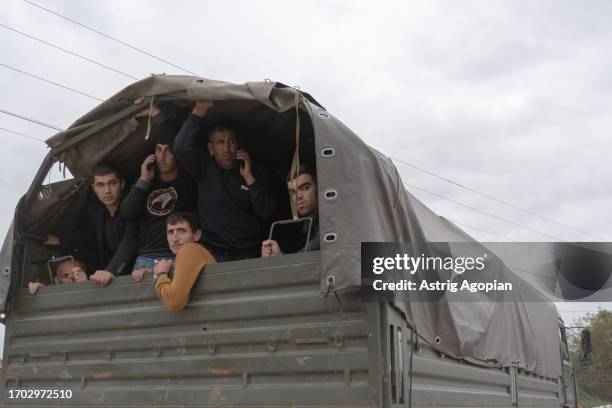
[417,375]
[255,332]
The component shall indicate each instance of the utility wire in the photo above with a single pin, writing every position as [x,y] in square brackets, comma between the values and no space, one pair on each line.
[111,38]
[188,71]
[68,52]
[490,197]
[406,184]
[513,268]
[482,212]
[51,82]
[31,120]
[22,134]
[454,221]
[482,230]
[401,161]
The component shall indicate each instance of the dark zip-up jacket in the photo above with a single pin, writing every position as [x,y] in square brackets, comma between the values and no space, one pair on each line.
[231,212]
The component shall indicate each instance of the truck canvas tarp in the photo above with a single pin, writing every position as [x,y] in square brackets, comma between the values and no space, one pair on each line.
[361,199]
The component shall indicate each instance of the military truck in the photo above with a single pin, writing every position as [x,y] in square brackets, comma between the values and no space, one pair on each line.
[286,331]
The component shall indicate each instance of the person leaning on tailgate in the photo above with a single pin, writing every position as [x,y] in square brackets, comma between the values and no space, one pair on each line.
[183,233]
[304,186]
[114,235]
[68,271]
[233,192]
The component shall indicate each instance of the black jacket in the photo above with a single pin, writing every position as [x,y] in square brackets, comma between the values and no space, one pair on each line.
[112,253]
[231,213]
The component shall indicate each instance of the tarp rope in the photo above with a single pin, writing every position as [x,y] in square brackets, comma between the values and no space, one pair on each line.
[151,105]
[295,164]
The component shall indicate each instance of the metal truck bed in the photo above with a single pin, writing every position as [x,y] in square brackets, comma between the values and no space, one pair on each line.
[255,333]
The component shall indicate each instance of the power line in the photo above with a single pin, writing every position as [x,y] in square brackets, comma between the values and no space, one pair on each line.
[482,212]
[69,52]
[483,230]
[578,311]
[490,197]
[406,184]
[51,82]
[515,268]
[111,38]
[31,120]
[22,135]
[188,71]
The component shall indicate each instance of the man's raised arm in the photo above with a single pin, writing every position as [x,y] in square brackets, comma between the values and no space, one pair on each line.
[190,158]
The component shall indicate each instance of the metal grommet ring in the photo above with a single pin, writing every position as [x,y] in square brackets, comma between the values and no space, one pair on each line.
[328,152]
[330,194]
[323,115]
[437,340]
[330,237]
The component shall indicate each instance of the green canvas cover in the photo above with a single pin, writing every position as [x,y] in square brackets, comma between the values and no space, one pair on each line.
[371,204]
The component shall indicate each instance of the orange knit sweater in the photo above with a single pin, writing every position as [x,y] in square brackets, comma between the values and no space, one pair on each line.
[190,260]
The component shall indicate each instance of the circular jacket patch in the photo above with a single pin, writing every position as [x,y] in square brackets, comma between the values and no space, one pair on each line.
[162,202]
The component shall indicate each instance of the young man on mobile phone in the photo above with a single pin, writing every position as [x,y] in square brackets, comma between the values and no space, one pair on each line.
[161,189]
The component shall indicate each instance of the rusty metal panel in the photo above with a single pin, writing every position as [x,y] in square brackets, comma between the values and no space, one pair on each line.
[255,333]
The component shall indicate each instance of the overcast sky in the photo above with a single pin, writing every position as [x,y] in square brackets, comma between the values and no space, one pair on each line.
[509,98]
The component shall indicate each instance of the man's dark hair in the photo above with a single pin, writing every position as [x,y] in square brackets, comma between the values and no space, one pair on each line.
[190,218]
[304,169]
[104,169]
[223,126]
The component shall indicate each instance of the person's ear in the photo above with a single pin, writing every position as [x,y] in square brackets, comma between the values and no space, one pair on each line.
[197,235]
[210,149]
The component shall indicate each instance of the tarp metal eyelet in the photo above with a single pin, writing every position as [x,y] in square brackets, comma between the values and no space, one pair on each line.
[330,237]
[328,152]
[330,194]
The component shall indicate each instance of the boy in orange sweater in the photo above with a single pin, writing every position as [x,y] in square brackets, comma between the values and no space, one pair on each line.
[183,232]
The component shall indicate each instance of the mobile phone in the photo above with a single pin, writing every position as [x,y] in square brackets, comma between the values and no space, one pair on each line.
[239,146]
[151,166]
